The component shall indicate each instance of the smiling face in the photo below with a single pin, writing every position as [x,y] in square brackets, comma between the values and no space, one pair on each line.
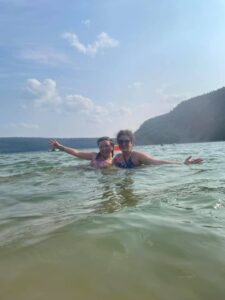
[105,148]
[125,143]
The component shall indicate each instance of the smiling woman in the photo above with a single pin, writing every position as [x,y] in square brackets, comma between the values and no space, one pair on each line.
[102,159]
[131,159]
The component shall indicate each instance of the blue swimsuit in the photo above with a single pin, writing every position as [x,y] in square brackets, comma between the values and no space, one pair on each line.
[126,164]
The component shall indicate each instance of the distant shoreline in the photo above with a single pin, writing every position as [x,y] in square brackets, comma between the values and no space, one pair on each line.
[32,144]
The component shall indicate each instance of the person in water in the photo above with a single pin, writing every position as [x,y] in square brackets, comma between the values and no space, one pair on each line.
[131,159]
[102,159]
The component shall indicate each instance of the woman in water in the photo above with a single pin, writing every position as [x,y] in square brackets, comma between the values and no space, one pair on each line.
[131,159]
[102,159]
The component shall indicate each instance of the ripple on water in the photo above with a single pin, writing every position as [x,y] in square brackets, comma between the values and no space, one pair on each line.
[149,233]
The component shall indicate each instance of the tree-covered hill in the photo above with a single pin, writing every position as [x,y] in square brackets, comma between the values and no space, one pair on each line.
[199,119]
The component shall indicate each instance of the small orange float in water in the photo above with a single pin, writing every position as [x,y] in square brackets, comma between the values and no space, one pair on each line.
[116,148]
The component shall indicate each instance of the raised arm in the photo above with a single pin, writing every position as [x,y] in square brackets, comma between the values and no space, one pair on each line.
[80,154]
[146,159]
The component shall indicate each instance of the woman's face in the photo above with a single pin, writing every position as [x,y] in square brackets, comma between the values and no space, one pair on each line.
[105,148]
[125,143]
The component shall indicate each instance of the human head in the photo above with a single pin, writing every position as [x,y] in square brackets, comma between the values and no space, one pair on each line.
[105,145]
[125,140]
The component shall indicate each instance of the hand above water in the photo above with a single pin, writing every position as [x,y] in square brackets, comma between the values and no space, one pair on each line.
[189,161]
[54,144]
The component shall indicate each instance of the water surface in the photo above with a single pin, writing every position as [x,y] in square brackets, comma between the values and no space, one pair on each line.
[68,231]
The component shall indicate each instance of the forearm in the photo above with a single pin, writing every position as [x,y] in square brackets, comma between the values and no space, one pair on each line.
[165,162]
[77,153]
[145,159]
[68,150]
[188,161]
[149,160]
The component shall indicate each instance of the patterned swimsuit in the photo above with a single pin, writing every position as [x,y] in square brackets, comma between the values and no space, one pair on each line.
[126,164]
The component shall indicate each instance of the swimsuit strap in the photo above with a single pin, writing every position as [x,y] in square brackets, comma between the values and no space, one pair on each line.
[126,163]
[98,156]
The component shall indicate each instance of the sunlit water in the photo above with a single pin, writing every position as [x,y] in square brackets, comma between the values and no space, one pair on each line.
[68,231]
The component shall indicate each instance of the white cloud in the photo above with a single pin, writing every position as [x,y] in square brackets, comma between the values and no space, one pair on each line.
[103,41]
[73,39]
[44,93]
[80,109]
[44,56]
[96,113]
[86,22]
[45,96]
[86,107]
[82,115]
[79,102]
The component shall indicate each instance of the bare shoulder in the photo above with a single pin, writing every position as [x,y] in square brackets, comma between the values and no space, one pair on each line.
[138,154]
[94,154]
[143,158]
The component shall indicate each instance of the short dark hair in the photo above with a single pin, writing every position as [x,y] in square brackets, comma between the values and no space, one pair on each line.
[125,132]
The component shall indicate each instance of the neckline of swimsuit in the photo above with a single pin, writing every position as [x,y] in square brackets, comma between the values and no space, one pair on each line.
[127,163]
[129,158]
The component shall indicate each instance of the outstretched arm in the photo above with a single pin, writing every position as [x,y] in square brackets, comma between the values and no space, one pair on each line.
[149,160]
[80,154]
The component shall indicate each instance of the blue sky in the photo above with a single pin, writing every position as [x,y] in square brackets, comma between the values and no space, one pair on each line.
[90,68]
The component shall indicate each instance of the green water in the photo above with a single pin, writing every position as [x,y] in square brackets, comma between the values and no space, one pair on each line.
[70,232]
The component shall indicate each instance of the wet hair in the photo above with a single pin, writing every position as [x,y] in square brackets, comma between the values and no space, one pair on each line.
[127,132]
[105,138]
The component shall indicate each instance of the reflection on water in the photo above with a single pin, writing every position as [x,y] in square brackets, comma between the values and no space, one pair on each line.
[115,195]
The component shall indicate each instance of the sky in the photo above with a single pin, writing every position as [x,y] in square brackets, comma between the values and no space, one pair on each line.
[90,68]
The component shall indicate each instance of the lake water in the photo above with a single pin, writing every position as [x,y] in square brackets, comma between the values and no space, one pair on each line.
[155,233]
